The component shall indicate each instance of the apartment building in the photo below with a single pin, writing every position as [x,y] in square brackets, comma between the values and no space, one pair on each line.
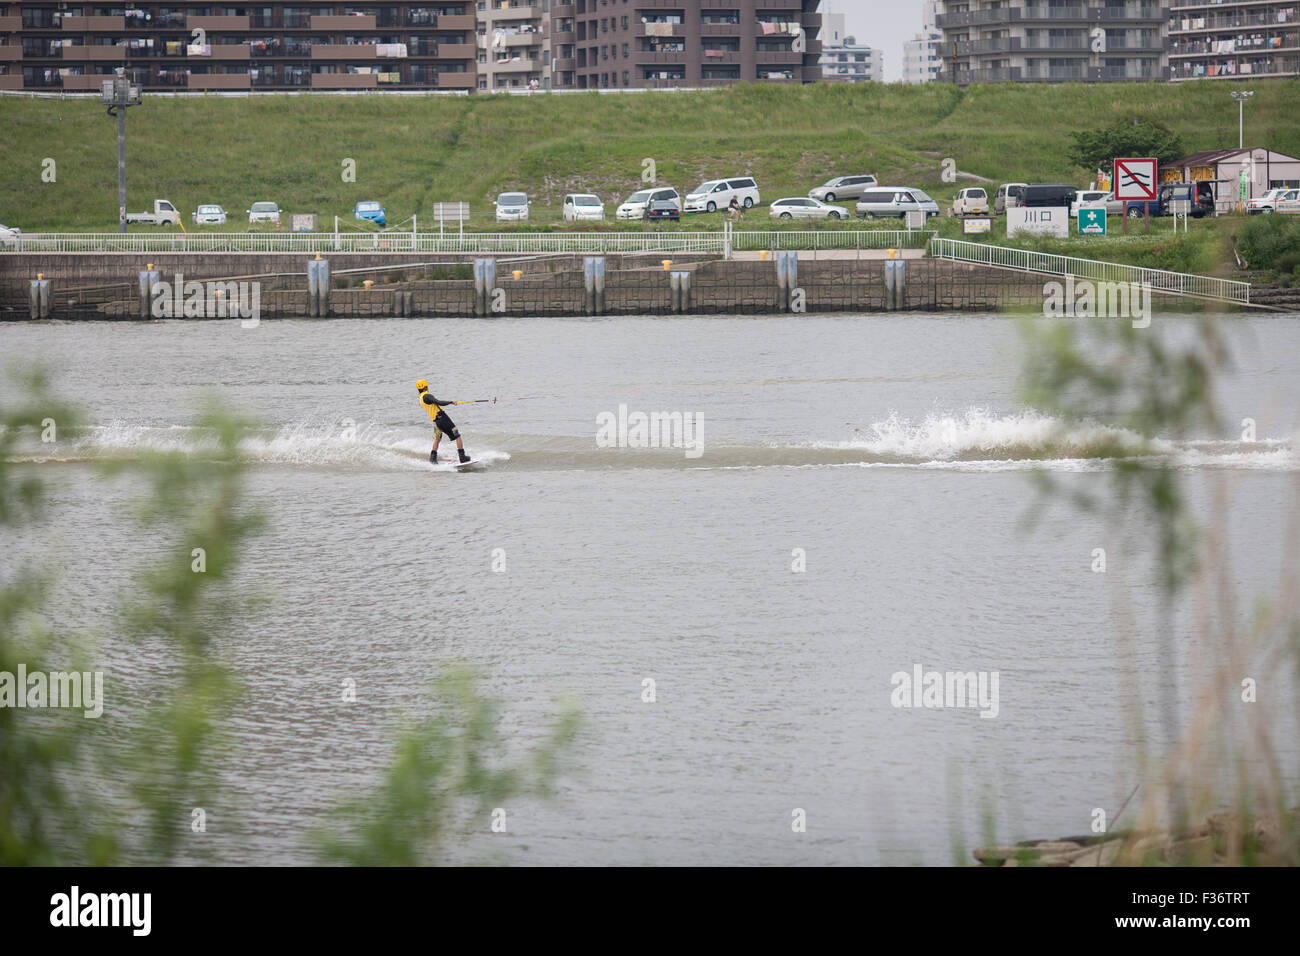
[922,57]
[73,45]
[1234,38]
[514,45]
[991,41]
[628,44]
[843,59]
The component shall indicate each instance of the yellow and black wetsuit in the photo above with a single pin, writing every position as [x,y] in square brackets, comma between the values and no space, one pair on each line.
[442,424]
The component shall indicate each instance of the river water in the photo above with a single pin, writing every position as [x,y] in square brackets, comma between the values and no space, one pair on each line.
[890,456]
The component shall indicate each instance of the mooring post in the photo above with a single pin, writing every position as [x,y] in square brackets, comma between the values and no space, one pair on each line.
[39,297]
[593,280]
[681,286]
[148,279]
[312,287]
[485,278]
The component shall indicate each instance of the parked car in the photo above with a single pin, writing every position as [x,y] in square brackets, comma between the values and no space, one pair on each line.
[971,201]
[583,206]
[664,209]
[895,202]
[843,187]
[1288,202]
[1007,195]
[263,212]
[164,214]
[1270,200]
[1040,194]
[637,205]
[370,211]
[805,207]
[209,215]
[512,207]
[1201,195]
[1096,199]
[10,236]
[717,194]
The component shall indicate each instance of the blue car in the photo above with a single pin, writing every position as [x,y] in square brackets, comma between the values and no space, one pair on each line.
[370,212]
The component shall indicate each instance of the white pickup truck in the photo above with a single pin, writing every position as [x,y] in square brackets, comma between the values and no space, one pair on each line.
[164,214]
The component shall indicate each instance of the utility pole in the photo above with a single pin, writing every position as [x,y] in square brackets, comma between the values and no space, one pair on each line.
[1241,96]
[117,94]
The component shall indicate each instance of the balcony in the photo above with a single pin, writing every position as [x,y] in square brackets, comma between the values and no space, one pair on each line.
[564,63]
[95,24]
[219,81]
[811,21]
[10,24]
[663,29]
[562,36]
[720,29]
[9,52]
[226,51]
[347,24]
[11,81]
[94,54]
[562,10]
[456,81]
[344,81]
[514,66]
[84,81]
[216,23]
[676,57]
[455,51]
[725,57]
[343,51]
[500,14]
[779,57]
[458,22]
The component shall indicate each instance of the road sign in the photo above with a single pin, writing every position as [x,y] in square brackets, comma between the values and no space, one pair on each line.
[1092,222]
[1135,179]
[974,225]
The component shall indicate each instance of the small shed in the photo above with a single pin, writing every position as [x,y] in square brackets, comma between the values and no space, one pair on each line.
[1266,170]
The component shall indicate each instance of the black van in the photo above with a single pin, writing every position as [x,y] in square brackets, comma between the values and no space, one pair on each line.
[1039,195]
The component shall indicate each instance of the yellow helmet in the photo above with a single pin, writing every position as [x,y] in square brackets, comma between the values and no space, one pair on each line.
[421,385]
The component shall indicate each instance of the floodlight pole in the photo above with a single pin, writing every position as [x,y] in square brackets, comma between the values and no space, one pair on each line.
[1241,96]
[117,94]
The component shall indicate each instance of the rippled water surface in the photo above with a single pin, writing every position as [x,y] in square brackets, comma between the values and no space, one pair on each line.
[891,454]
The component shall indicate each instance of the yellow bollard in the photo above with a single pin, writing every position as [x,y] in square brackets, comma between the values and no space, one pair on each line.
[893,253]
[40,276]
[516,273]
[762,255]
[149,267]
[667,264]
[318,255]
[367,283]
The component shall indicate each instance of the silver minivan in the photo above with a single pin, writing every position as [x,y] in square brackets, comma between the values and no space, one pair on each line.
[512,207]
[1006,196]
[895,202]
[843,187]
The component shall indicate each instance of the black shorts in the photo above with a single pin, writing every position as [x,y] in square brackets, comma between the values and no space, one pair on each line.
[445,426]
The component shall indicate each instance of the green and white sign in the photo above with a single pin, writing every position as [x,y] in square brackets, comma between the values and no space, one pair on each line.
[1092,222]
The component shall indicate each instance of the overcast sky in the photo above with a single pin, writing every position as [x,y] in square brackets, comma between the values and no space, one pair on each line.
[884,24]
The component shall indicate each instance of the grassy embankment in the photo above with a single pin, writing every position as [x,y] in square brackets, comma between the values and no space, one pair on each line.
[411,152]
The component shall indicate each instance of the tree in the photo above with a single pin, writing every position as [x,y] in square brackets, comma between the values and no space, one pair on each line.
[1097,148]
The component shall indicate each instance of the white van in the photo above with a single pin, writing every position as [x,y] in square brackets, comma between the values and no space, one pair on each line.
[583,206]
[1007,195]
[512,207]
[895,202]
[636,205]
[717,194]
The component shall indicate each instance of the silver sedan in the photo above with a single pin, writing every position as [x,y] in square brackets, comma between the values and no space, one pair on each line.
[805,207]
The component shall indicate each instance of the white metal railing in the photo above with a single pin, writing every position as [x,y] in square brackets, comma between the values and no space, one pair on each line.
[593,243]
[1158,280]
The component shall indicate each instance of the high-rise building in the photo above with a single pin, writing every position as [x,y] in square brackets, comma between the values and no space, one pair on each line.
[990,41]
[921,54]
[628,44]
[75,45]
[1234,38]
[514,45]
[843,59]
